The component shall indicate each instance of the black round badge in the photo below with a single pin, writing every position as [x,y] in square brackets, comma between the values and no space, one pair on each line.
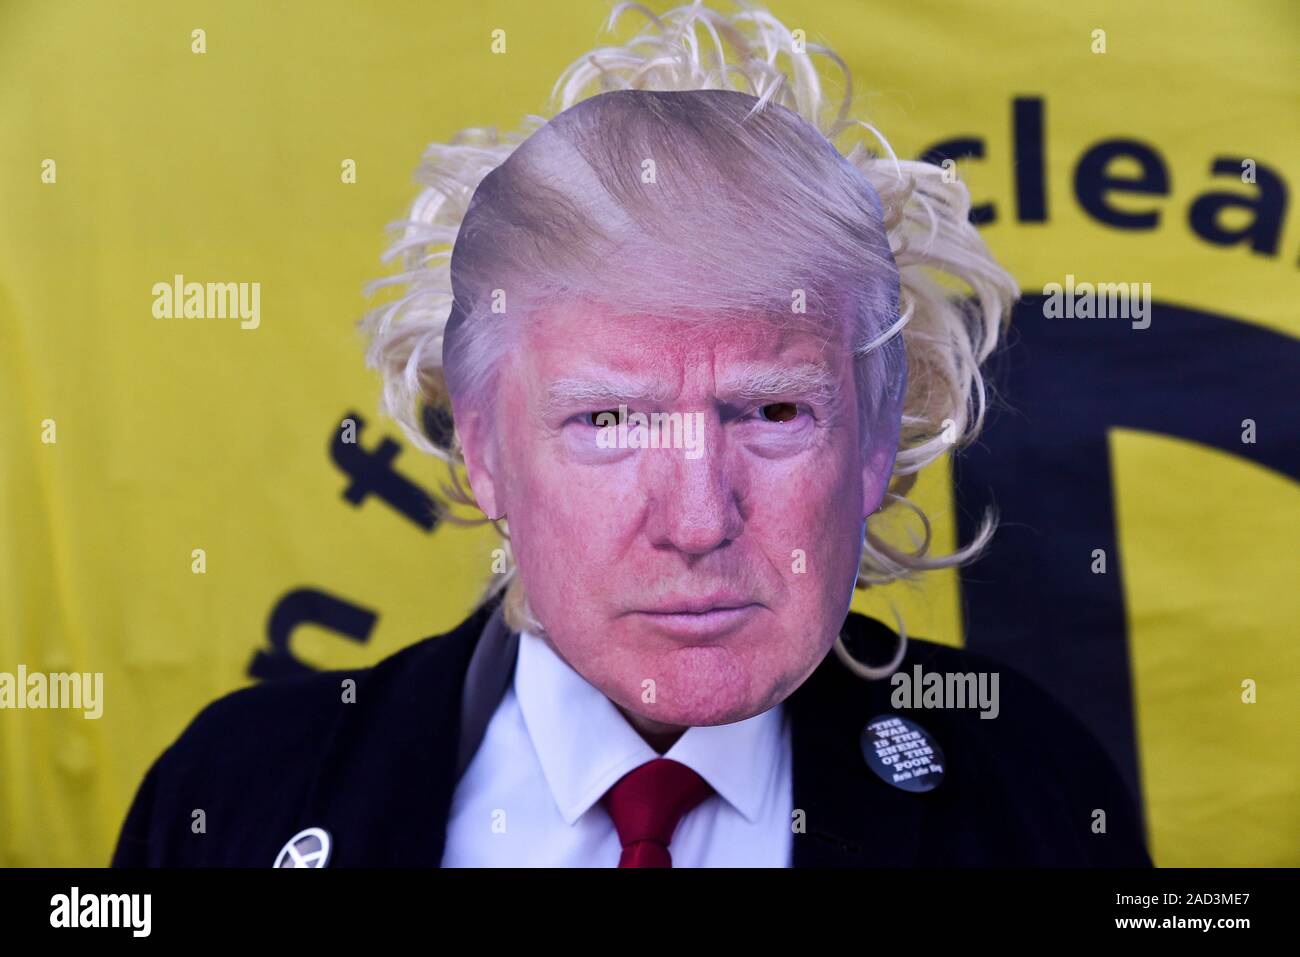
[902,753]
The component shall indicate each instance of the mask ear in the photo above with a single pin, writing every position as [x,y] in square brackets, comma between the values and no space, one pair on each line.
[479,449]
[876,473]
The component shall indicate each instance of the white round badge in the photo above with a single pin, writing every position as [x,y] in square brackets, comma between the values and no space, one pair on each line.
[309,848]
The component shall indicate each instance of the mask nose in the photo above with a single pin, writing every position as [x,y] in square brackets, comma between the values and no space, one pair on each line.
[695,502]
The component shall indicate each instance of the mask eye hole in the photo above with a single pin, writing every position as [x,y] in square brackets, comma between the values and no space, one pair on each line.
[601,418]
[779,411]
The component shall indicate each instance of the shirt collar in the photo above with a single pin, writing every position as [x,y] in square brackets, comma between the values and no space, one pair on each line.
[584,743]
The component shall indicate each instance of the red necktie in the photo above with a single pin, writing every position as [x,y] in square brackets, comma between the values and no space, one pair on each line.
[646,805]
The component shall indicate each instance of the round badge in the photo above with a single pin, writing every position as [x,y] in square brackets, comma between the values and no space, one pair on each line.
[902,753]
[309,848]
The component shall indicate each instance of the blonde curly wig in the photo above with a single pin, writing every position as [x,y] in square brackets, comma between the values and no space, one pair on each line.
[556,223]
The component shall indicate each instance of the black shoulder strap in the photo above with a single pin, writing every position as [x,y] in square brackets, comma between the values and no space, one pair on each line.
[490,672]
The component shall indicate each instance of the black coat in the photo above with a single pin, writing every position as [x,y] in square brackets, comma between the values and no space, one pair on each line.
[266,762]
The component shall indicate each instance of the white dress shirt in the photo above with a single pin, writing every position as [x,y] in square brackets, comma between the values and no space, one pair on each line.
[531,795]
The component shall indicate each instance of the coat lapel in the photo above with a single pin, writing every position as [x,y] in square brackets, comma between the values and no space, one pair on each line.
[385,784]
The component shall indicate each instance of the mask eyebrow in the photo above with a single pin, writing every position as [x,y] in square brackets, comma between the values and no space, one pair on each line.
[598,393]
[809,381]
